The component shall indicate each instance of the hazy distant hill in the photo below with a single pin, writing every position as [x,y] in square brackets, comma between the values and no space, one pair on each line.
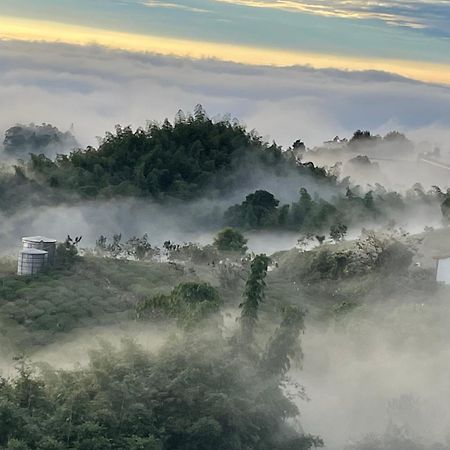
[21,140]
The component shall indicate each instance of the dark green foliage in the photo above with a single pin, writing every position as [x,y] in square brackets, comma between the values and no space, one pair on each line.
[230,239]
[258,210]
[283,345]
[253,295]
[338,232]
[192,395]
[67,252]
[189,303]
[445,208]
[313,215]
[177,160]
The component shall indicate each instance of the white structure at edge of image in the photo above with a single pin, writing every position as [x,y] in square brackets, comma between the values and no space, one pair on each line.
[41,243]
[443,270]
[31,261]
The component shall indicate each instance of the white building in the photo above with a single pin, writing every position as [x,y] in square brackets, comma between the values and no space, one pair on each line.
[443,268]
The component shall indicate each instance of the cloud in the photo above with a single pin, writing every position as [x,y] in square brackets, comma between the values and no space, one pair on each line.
[29,30]
[95,88]
[431,14]
[158,4]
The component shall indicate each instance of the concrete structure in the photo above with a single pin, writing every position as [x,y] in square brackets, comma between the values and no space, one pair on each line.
[41,243]
[443,268]
[32,261]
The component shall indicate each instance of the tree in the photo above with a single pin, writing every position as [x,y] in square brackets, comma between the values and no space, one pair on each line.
[258,210]
[338,232]
[253,295]
[230,239]
[67,252]
[282,346]
[445,208]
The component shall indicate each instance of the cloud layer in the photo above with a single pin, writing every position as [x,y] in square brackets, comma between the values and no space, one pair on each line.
[95,88]
[431,15]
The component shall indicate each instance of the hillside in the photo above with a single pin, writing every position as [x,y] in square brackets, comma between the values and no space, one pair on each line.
[177,160]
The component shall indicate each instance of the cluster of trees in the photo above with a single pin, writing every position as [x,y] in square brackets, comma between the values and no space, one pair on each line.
[231,240]
[21,140]
[201,391]
[18,191]
[261,210]
[177,160]
[384,252]
[365,139]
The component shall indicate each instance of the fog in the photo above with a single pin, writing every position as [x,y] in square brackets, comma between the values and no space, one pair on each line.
[382,365]
[93,89]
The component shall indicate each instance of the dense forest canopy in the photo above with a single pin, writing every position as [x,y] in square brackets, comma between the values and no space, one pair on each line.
[187,397]
[177,160]
[309,214]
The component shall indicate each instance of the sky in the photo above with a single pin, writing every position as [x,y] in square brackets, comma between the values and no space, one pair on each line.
[407,37]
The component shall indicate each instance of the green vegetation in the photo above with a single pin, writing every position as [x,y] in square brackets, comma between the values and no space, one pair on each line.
[92,291]
[192,395]
[176,160]
[393,139]
[230,240]
[189,303]
[217,382]
[202,391]
[261,210]
[253,296]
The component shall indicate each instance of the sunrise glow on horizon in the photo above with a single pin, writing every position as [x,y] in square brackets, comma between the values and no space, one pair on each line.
[14,28]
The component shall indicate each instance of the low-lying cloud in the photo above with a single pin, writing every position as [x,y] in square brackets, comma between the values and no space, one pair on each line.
[94,88]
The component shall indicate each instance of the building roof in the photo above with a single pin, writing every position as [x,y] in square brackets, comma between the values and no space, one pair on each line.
[33,251]
[38,239]
[438,257]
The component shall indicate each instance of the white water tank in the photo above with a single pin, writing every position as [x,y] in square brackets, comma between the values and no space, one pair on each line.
[41,243]
[32,261]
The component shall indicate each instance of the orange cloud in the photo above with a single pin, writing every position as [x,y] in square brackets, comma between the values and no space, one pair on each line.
[33,30]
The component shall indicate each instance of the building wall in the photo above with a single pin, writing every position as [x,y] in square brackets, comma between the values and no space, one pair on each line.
[443,271]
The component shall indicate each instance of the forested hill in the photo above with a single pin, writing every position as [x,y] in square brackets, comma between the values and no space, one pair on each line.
[177,160]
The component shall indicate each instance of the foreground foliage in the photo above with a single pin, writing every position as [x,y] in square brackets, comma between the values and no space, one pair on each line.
[187,396]
[202,391]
